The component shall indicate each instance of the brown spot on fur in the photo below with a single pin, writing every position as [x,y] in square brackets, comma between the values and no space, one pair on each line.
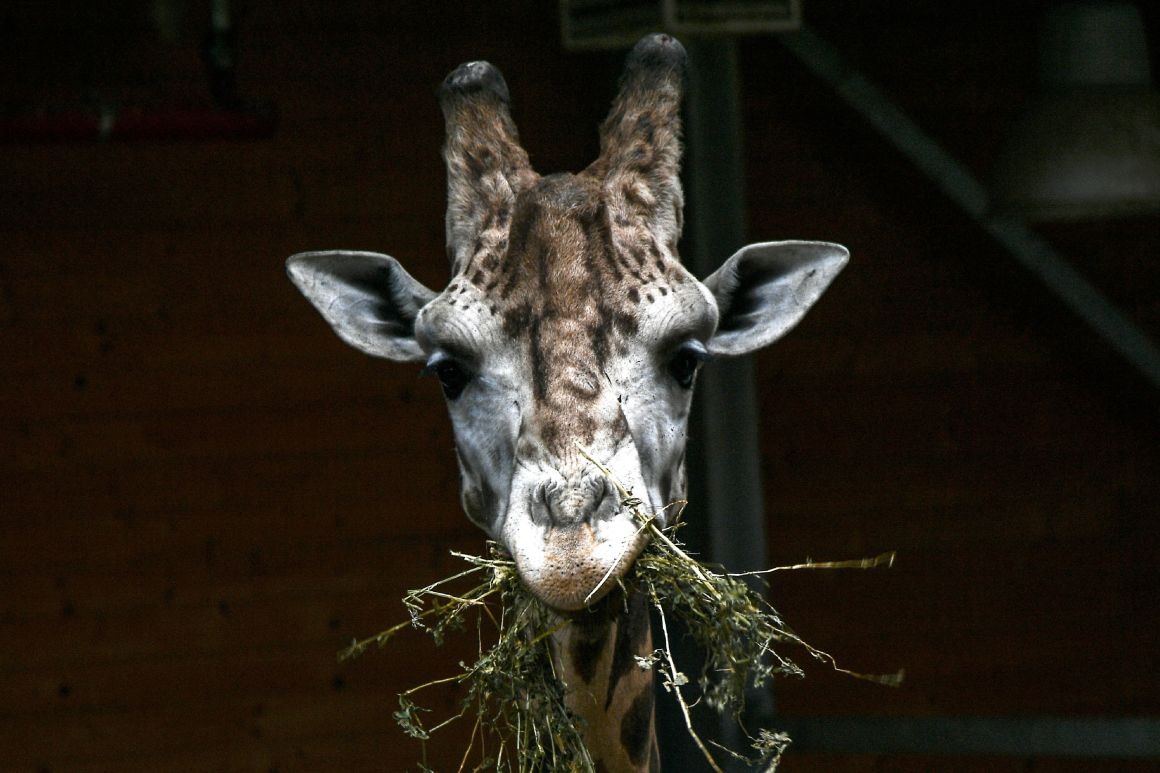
[644,125]
[633,295]
[539,361]
[617,275]
[636,727]
[508,287]
[584,658]
[590,637]
[517,319]
[583,389]
[624,323]
[632,635]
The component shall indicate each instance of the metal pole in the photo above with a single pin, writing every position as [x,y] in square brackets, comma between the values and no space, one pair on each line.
[725,475]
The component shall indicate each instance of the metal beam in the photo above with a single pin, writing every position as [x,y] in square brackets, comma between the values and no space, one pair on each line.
[957,182]
[1035,736]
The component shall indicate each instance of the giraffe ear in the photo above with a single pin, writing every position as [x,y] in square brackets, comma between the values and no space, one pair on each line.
[765,289]
[369,300]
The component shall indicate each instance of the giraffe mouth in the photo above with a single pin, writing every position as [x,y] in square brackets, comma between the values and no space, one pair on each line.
[571,567]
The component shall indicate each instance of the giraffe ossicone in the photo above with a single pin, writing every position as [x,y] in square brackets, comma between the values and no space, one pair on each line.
[568,322]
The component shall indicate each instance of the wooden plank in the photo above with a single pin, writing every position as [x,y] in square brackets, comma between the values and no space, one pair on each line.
[269,728]
[134,187]
[200,433]
[105,393]
[303,662]
[213,568]
[98,277]
[190,549]
[211,492]
[226,613]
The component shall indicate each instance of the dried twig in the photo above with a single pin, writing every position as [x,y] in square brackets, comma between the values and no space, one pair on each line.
[513,692]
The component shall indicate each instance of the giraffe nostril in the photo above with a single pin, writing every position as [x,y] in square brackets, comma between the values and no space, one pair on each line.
[567,507]
[542,496]
[600,492]
[585,500]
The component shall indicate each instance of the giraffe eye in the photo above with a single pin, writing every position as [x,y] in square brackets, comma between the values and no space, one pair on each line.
[685,362]
[452,376]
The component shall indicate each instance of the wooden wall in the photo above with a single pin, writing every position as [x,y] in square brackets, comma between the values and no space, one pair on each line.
[204,495]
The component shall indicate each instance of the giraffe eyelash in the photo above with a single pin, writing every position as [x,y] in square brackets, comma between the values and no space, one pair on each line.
[453,376]
[684,363]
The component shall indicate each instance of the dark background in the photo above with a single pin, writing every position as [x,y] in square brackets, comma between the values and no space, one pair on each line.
[204,495]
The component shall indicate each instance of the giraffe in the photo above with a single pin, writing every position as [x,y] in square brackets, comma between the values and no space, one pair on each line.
[570,327]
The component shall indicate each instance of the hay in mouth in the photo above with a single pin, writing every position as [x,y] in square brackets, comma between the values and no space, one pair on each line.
[513,694]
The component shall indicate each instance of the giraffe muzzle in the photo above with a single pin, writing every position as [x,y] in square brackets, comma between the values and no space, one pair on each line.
[572,540]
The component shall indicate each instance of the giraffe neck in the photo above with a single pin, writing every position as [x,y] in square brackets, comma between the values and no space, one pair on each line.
[606,688]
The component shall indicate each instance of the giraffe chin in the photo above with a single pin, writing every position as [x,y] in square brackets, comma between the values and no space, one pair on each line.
[573,567]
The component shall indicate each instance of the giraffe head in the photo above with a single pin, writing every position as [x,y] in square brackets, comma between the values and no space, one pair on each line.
[569,322]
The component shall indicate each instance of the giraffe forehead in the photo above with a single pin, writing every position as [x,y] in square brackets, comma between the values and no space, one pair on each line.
[567,280]
[570,247]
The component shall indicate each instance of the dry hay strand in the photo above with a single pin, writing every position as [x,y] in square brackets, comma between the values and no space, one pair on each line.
[513,695]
